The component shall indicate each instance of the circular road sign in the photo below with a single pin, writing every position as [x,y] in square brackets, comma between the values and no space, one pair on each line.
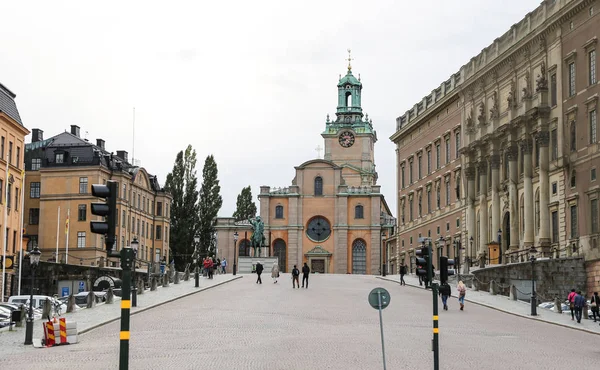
[374,298]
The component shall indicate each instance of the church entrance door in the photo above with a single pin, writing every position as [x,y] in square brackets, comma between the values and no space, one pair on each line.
[317,265]
[359,257]
[280,252]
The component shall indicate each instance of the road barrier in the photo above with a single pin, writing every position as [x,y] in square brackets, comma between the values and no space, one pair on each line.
[66,331]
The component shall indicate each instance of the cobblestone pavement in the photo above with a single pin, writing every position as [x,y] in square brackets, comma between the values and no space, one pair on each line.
[242,325]
[519,308]
[87,319]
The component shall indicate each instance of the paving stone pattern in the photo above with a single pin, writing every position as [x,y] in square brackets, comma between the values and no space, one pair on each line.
[242,325]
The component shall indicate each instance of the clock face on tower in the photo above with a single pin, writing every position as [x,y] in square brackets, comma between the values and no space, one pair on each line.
[346,139]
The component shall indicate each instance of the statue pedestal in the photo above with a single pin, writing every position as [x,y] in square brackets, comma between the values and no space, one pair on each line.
[246,264]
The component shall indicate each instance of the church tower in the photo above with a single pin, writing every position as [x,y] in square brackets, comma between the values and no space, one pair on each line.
[350,138]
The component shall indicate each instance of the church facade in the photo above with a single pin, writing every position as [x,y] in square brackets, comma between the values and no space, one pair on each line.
[333,215]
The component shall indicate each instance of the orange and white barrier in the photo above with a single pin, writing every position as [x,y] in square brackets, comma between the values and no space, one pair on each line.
[65,331]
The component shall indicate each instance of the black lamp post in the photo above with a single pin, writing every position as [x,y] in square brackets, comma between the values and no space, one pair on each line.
[500,245]
[235,239]
[196,274]
[468,258]
[34,259]
[457,249]
[134,245]
[532,258]
[441,244]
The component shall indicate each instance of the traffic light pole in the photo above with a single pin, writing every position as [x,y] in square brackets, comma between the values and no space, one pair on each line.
[434,291]
[126,262]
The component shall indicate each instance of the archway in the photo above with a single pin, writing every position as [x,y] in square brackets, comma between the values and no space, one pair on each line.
[505,242]
[244,248]
[359,257]
[279,251]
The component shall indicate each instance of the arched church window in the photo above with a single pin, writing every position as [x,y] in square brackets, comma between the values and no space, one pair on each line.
[348,99]
[279,212]
[358,211]
[318,185]
[359,257]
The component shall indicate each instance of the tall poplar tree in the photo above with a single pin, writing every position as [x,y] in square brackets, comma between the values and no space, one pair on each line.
[182,184]
[245,207]
[209,205]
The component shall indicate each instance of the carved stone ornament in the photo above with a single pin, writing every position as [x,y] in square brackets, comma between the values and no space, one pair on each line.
[542,82]
[543,138]
[470,172]
[527,89]
[526,145]
[512,152]
[482,166]
[542,44]
[471,129]
[494,111]
[481,116]
[511,99]
[495,161]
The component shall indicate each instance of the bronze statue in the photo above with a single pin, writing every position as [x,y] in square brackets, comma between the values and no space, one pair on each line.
[257,239]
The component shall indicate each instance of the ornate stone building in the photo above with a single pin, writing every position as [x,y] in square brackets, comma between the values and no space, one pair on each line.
[333,215]
[528,141]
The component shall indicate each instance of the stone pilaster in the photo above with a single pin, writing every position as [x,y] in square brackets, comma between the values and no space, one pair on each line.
[543,142]
[495,165]
[513,154]
[483,208]
[470,175]
[527,149]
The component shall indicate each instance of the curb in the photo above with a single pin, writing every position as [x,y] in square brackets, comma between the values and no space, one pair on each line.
[157,304]
[506,311]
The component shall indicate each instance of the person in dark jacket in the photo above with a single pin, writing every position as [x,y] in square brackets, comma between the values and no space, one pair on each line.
[579,303]
[259,270]
[295,275]
[402,273]
[305,272]
[445,291]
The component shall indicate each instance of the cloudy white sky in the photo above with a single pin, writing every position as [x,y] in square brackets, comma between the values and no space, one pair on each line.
[248,81]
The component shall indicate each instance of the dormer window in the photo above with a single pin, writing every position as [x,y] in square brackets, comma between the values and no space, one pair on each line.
[59,157]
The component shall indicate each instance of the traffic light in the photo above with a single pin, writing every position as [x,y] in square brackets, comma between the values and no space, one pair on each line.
[422,260]
[108,210]
[446,269]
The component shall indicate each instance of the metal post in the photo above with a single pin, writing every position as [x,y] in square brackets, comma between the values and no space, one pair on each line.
[134,283]
[434,291]
[234,258]
[533,296]
[381,328]
[29,322]
[126,259]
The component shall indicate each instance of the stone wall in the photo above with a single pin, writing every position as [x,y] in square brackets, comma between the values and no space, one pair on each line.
[593,276]
[553,277]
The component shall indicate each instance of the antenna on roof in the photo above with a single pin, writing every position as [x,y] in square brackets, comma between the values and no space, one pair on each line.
[133,140]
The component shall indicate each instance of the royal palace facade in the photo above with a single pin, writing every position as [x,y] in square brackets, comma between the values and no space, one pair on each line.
[501,160]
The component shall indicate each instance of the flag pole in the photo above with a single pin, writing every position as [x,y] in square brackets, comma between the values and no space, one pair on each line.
[22,217]
[57,233]
[4,233]
[67,232]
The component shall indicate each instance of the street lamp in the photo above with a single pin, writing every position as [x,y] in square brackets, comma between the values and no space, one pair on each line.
[134,245]
[468,258]
[441,243]
[457,250]
[196,276]
[34,259]
[532,258]
[500,245]
[235,239]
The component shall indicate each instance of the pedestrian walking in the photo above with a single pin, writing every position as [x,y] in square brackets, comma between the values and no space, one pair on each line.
[275,272]
[218,266]
[305,273]
[445,291]
[402,273]
[571,299]
[295,275]
[579,303]
[259,270]
[224,265]
[594,302]
[462,292]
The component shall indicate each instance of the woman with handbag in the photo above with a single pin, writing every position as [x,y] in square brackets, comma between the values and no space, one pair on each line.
[275,272]
[462,292]
[594,302]
[571,299]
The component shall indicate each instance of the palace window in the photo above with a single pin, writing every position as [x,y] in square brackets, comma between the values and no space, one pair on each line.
[457,144]
[594,216]
[410,209]
[448,150]
[278,211]
[448,191]
[593,127]
[574,226]
[438,196]
[554,226]
[573,130]
[571,79]
[81,212]
[318,186]
[410,172]
[83,185]
[36,163]
[34,216]
[420,160]
[123,218]
[358,211]
[553,93]
[158,232]
[592,67]
[428,162]
[402,177]
[59,158]
[81,239]
[554,143]
[428,200]
[573,180]
[437,156]
[34,190]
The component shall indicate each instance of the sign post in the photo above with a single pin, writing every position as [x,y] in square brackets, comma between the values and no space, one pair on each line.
[379,299]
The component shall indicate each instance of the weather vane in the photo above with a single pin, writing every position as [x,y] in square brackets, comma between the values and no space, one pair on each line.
[350,59]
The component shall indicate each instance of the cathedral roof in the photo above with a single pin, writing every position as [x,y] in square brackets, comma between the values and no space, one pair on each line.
[307,163]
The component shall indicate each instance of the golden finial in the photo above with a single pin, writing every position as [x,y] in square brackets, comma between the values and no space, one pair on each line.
[349,60]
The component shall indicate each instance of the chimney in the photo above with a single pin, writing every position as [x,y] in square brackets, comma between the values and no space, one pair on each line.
[37,135]
[75,130]
[123,155]
[100,143]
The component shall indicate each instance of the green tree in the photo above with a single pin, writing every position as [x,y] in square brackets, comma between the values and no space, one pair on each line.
[245,207]
[209,205]
[182,184]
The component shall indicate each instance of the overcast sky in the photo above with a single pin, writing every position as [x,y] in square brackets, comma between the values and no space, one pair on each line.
[248,81]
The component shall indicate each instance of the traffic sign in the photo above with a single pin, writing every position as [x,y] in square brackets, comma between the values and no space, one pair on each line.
[374,298]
